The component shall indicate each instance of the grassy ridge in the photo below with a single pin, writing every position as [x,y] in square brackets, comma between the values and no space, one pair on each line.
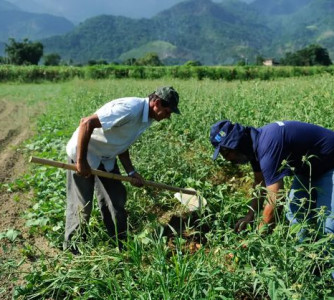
[45,73]
[176,152]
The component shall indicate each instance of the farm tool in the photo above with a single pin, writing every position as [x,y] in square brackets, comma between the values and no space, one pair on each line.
[187,196]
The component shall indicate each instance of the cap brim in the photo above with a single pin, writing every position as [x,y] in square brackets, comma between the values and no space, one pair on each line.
[175,110]
[216,153]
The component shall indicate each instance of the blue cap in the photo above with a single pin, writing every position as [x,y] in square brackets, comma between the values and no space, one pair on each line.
[225,134]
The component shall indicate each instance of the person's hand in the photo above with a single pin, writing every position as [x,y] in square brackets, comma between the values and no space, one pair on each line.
[137,180]
[265,228]
[243,222]
[83,168]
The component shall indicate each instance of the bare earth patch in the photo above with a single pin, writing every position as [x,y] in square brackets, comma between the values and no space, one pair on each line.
[15,127]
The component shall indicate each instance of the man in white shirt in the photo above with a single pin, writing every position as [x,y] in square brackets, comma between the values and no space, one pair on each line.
[96,143]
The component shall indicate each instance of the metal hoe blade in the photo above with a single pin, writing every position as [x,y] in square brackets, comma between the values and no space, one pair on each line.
[192,202]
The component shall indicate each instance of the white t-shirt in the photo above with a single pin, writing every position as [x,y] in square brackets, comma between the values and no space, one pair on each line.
[123,121]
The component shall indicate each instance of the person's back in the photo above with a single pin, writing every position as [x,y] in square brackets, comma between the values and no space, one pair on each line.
[291,142]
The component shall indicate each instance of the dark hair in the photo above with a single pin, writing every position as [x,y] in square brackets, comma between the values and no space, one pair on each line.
[153,97]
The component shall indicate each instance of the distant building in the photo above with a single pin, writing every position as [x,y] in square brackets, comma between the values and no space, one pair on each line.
[270,62]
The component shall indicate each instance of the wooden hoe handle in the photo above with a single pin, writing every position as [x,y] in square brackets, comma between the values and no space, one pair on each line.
[100,173]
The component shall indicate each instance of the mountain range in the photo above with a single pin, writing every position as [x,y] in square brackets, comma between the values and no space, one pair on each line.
[19,24]
[210,32]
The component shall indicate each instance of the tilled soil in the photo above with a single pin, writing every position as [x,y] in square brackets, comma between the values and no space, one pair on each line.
[15,124]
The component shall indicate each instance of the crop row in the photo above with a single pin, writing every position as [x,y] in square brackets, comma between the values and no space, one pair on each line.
[62,73]
[211,262]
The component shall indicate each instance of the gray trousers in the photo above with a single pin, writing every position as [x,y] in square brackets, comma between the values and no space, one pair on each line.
[111,197]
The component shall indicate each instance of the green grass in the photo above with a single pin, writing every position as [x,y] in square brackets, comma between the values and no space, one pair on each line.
[176,152]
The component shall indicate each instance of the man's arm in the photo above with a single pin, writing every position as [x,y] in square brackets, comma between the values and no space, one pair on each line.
[270,207]
[86,127]
[255,205]
[126,161]
[129,168]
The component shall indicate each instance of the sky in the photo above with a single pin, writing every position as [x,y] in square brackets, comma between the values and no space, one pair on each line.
[79,10]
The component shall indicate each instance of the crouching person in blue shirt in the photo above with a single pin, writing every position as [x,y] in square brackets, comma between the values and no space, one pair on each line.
[280,149]
[97,143]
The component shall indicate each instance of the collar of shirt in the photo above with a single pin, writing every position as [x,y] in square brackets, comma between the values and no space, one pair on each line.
[146,111]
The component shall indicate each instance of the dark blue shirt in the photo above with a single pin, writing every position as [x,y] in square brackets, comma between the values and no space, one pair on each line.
[281,149]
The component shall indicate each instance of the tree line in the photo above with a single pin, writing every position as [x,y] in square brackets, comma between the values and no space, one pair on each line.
[30,53]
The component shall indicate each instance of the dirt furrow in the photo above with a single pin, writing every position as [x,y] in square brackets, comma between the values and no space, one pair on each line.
[15,129]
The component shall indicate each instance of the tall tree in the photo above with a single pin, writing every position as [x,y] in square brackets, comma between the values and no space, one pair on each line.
[52,59]
[150,59]
[309,56]
[24,53]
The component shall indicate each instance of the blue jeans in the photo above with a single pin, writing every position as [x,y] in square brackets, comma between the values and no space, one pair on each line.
[307,199]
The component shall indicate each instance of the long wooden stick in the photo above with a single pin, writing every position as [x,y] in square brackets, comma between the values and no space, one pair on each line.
[72,167]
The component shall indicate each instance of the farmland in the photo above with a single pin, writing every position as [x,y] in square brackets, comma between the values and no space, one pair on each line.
[207,260]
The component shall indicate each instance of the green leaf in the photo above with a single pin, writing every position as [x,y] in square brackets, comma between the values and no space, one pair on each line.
[12,234]
[272,290]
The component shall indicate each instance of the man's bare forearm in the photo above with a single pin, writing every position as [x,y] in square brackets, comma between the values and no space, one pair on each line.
[86,128]
[269,214]
[126,161]
[274,192]
[83,139]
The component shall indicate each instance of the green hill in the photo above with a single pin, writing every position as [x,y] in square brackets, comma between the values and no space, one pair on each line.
[20,24]
[102,37]
[210,32]
[312,23]
[279,7]
[213,33]
[166,51]
[200,29]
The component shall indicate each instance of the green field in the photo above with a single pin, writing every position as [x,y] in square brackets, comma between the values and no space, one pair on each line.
[209,261]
